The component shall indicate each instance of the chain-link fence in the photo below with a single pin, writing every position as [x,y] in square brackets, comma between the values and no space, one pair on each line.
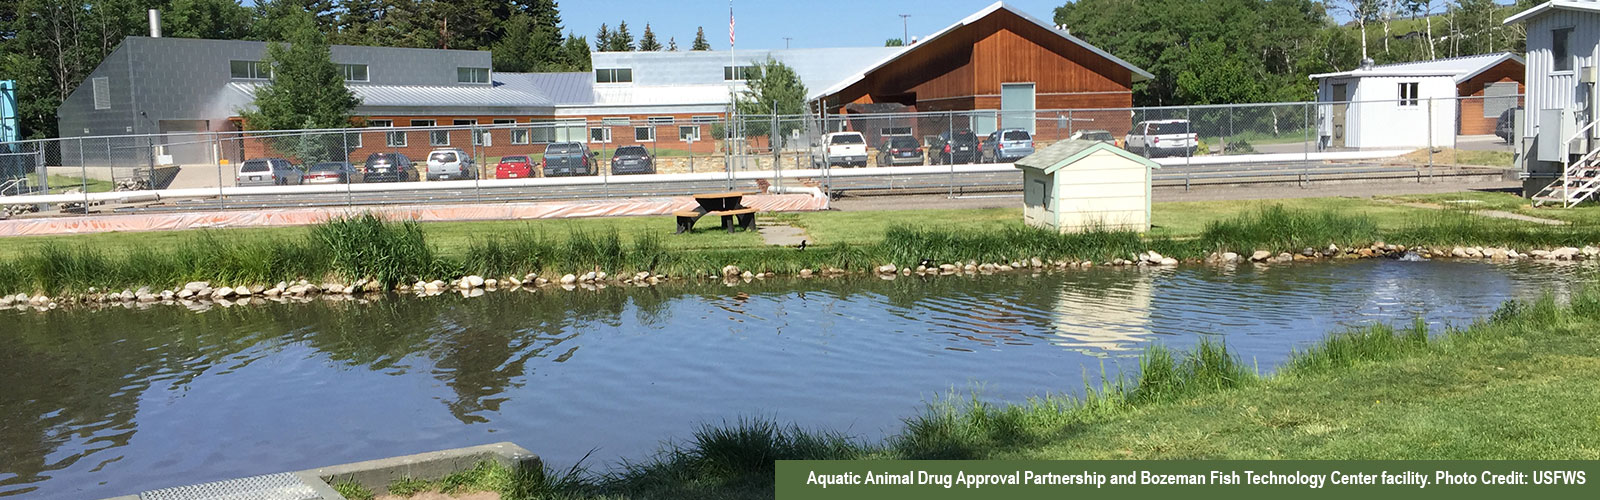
[957,152]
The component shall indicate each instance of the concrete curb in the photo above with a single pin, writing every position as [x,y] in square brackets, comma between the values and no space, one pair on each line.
[377,475]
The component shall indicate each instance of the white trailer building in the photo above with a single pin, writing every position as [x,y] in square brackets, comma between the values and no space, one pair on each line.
[1398,105]
[1563,53]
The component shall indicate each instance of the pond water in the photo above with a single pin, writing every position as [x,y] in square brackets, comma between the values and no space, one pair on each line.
[96,403]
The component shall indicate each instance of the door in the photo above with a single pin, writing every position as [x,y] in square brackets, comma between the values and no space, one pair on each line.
[1341,98]
[1016,106]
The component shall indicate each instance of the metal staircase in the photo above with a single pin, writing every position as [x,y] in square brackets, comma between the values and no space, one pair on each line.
[1580,179]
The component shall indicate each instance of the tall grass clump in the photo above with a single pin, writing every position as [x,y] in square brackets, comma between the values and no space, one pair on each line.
[1279,228]
[516,253]
[367,246]
[1379,342]
[1462,227]
[731,460]
[914,244]
[1208,368]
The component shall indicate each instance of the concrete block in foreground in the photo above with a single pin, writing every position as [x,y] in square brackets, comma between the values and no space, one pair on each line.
[377,475]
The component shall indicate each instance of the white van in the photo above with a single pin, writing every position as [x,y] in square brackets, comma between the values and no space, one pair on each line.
[451,163]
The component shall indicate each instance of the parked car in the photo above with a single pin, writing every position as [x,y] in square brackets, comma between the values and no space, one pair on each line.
[899,150]
[1094,135]
[513,167]
[451,163]
[267,172]
[1505,126]
[632,160]
[960,146]
[330,172]
[1005,145]
[569,158]
[843,149]
[389,167]
[1162,137]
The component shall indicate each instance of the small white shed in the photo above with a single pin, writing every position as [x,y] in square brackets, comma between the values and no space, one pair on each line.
[1074,185]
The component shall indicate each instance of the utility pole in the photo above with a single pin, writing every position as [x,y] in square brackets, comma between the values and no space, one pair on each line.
[904,40]
[786,41]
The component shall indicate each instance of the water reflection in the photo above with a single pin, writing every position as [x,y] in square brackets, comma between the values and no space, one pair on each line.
[102,403]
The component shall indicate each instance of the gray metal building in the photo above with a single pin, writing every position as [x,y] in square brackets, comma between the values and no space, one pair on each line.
[1563,40]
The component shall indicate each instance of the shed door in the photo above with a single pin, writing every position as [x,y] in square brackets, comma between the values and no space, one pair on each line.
[1016,106]
[1341,98]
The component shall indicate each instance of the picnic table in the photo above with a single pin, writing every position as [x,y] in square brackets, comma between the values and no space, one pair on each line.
[725,205]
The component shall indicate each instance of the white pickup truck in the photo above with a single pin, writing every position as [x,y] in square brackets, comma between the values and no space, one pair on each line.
[843,148]
[1162,137]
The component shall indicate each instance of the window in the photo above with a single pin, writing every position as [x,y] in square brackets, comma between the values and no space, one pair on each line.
[732,73]
[706,119]
[895,131]
[1408,94]
[613,75]
[644,134]
[393,139]
[571,130]
[616,121]
[600,134]
[661,120]
[688,133]
[352,141]
[542,133]
[472,75]
[353,72]
[1561,49]
[102,93]
[435,137]
[249,70]
[479,136]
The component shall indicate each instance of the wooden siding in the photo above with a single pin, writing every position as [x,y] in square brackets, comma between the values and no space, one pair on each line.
[963,68]
[1471,119]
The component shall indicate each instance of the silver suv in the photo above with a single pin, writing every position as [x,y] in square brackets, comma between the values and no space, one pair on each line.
[451,163]
[267,172]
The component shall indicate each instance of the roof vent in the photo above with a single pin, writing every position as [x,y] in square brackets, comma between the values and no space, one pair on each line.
[1366,63]
[155,23]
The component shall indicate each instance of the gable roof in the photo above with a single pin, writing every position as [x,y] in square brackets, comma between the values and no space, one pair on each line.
[1461,68]
[1057,156]
[1139,75]
[1590,6]
[429,96]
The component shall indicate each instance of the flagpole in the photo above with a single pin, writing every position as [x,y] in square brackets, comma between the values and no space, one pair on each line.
[733,112]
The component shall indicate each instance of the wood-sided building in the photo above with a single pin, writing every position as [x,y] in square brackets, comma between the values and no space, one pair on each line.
[1001,65]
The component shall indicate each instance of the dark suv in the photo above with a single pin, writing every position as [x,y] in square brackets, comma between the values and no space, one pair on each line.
[389,167]
[632,160]
[1505,126]
[960,147]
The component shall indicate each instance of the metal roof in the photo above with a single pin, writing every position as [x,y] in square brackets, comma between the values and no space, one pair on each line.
[1055,156]
[562,89]
[420,96]
[1138,74]
[1461,68]
[1579,5]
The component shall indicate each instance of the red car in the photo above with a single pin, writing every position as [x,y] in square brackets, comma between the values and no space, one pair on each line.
[513,167]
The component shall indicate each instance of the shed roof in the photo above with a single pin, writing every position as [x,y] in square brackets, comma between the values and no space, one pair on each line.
[1461,68]
[1139,75]
[563,89]
[1590,6]
[1057,156]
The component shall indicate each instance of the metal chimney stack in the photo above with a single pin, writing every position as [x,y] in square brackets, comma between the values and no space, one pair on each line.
[155,23]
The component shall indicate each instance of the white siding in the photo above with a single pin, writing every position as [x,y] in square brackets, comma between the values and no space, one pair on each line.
[1105,190]
[1379,121]
[1548,89]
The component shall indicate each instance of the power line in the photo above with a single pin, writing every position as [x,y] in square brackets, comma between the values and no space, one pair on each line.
[903,31]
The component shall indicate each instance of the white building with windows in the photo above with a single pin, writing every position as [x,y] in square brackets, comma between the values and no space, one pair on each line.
[1398,105]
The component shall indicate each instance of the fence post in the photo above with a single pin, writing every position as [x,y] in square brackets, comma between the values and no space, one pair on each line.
[222,199]
[950,126]
[348,197]
[84,169]
[1430,139]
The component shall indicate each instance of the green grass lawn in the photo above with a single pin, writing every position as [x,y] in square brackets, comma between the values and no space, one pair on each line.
[1178,220]
[1451,156]
[1587,214]
[63,183]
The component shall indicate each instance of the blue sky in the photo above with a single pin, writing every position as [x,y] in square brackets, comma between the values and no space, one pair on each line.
[763,24]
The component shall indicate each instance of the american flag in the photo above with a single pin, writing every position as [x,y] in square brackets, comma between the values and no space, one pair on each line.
[730,24]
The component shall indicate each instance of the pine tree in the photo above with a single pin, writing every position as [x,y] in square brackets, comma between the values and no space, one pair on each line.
[648,43]
[621,40]
[575,54]
[602,39]
[700,40]
[672,44]
[306,91]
